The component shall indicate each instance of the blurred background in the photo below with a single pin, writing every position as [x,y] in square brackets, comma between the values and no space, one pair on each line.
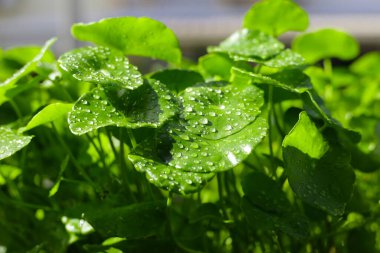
[197,23]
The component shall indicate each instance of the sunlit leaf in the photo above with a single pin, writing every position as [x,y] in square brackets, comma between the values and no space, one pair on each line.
[133,36]
[151,104]
[48,114]
[324,44]
[276,17]
[8,172]
[101,65]
[11,142]
[248,43]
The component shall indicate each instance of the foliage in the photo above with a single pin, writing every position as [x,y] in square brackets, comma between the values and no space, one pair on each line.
[255,148]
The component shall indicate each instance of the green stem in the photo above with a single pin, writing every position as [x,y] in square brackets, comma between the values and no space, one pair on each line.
[16,108]
[327,66]
[220,193]
[270,138]
[81,171]
[100,153]
[132,138]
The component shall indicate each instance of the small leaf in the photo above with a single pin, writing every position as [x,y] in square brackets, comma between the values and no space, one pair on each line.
[315,147]
[138,220]
[57,183]
[276,17]
[101,65]
[325,44]
[323,178]
[286,58]
[177,79]
[49,114]
[25,70]
[133,36]
[150,105]
[248,43]
[11,142]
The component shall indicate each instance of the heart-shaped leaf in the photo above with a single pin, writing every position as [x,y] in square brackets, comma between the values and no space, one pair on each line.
[11,142]
[133,36]
[149,105]
[248,43]
[276,17]
[323,178]
[326,43]
[101,65]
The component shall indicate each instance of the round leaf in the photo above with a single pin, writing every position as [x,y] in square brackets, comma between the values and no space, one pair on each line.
[133,36]
[150,105]
[250,43]
[326,43]
[101,65]
[216,110]
[276,17]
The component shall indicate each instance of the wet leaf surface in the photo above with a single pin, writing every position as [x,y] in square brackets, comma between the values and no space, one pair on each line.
[248,43]
[101,65]
[11,142]
[150,105]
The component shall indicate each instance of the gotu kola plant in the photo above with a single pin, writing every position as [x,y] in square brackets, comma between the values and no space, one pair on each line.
[254,148]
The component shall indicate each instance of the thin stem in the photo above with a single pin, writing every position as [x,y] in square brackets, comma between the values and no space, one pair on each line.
[101,155]
[132,138]
[81,171]
[327,66]
[277,123]
[16,108]
[220,192]
[270,138]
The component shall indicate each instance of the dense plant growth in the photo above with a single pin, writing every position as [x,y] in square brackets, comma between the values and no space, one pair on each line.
[254,148]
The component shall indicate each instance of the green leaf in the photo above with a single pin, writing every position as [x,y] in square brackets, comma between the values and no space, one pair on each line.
[248,43]
[265,193]
[276,17]
[138,220]
[325,44]
[57,183]
[8,172]
[133,36]
[266,207]
[177,79]
[24,54]
[322,179]
[25,70]
[49,114]
[219,128]
[149,105]
[215,110]
[286,58]
[292,80]
[101,65]
[193,153]
[11,142]
[367,65]
[217,65]
[315,147]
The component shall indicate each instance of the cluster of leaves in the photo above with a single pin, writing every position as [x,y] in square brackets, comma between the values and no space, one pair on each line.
[254,148]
